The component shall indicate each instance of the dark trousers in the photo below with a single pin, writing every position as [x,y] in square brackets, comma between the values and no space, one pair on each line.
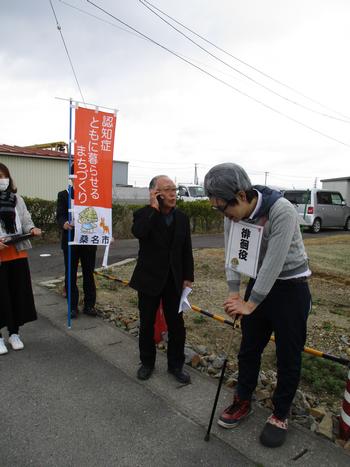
[284,312]
[148,306]
[87,256]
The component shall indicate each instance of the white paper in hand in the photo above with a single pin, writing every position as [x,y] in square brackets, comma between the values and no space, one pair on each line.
[184,303]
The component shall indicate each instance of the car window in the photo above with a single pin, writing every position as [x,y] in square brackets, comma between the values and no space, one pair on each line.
[336,198]
[298,197]
[324,197]
[196,191]
[182,191]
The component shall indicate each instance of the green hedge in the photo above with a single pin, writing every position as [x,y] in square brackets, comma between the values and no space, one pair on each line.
[203,218]
[43,213]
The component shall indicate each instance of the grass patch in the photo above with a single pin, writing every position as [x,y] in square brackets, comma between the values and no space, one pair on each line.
[199,319]
[327,326]
[323,376]
[330,255]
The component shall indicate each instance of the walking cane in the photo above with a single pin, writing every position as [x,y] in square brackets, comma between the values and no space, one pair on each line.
[207,436]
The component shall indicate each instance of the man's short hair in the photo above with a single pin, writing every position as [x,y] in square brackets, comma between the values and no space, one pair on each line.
[226,180]
[153,182]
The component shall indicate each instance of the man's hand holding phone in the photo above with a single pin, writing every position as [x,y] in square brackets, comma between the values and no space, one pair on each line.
[156,200]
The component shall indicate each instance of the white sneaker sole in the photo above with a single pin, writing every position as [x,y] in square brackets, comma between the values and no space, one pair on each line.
[3,348]
[16,347]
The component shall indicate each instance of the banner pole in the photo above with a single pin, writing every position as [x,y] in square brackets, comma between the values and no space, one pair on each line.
[69,272]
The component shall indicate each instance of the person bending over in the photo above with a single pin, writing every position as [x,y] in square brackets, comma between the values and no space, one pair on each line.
[277,301]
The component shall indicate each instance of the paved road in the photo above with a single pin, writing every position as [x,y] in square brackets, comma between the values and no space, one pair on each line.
[46,267]
[71,399]
[63,405]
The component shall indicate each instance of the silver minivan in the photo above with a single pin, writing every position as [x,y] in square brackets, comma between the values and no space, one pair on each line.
[320,208]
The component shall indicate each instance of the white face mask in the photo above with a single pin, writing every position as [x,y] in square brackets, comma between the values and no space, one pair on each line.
[4,183]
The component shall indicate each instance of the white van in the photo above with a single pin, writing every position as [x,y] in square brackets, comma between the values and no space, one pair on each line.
[190,192]
[320,208]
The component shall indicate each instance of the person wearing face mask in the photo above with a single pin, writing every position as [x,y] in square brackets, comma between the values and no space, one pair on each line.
[17,301]
[277,301]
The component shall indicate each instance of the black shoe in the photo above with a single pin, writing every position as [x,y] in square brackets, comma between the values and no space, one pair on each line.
[74,314]
[180,375]
[144,372]
[90,311]
[274,432]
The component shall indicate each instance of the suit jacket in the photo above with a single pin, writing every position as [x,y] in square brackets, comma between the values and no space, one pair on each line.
[158,255]
[62,216]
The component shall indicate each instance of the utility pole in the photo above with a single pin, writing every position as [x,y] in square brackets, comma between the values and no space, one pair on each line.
[195,174]
[315,183]
[266,174]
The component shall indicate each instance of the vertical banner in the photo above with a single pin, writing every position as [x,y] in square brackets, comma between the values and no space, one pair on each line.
[93,166]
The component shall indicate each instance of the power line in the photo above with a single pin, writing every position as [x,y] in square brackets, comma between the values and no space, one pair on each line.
[138,36]
[101,19]
[239,60]
[66,49]
[220,80]
[240,72]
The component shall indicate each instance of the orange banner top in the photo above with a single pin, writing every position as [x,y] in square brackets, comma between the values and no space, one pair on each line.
[93,157]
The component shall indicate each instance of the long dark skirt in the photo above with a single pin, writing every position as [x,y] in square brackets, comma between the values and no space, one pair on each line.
[16,294]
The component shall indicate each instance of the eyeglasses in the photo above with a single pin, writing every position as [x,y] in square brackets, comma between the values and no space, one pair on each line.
[169,190]
[222,208]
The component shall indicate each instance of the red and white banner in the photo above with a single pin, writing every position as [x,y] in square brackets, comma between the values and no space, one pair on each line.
[93,167]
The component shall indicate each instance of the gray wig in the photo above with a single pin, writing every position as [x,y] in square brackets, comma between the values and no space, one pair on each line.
[225,180]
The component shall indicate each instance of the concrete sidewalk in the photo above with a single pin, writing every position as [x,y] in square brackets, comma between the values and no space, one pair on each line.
[78,403]
[63,404]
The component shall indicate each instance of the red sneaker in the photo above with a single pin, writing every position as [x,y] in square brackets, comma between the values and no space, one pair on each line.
[235,412]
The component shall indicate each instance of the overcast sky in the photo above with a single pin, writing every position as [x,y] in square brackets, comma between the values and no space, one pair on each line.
[172,115]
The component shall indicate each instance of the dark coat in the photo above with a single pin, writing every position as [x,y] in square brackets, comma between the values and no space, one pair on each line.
[62,216]
[158,255]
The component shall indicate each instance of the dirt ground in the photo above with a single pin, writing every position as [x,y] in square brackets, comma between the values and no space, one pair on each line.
[328,322]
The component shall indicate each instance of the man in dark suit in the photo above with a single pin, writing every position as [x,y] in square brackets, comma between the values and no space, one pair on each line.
[87,256]
[164,267]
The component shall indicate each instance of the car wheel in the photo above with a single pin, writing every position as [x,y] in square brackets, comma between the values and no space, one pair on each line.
[316,226]
[347,224]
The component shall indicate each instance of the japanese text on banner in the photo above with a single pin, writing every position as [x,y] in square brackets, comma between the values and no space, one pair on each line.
[93,167]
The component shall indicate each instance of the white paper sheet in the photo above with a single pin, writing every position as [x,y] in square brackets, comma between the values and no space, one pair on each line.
[184,303]
[105,257]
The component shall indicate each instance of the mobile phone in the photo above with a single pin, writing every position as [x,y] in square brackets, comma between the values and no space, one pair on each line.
[160,201]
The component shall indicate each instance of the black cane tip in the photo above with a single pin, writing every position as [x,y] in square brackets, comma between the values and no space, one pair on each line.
[207,437]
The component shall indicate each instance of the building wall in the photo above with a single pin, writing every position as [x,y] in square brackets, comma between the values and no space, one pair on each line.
[130,195]
[120,173]
[339,185]
[37,177]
